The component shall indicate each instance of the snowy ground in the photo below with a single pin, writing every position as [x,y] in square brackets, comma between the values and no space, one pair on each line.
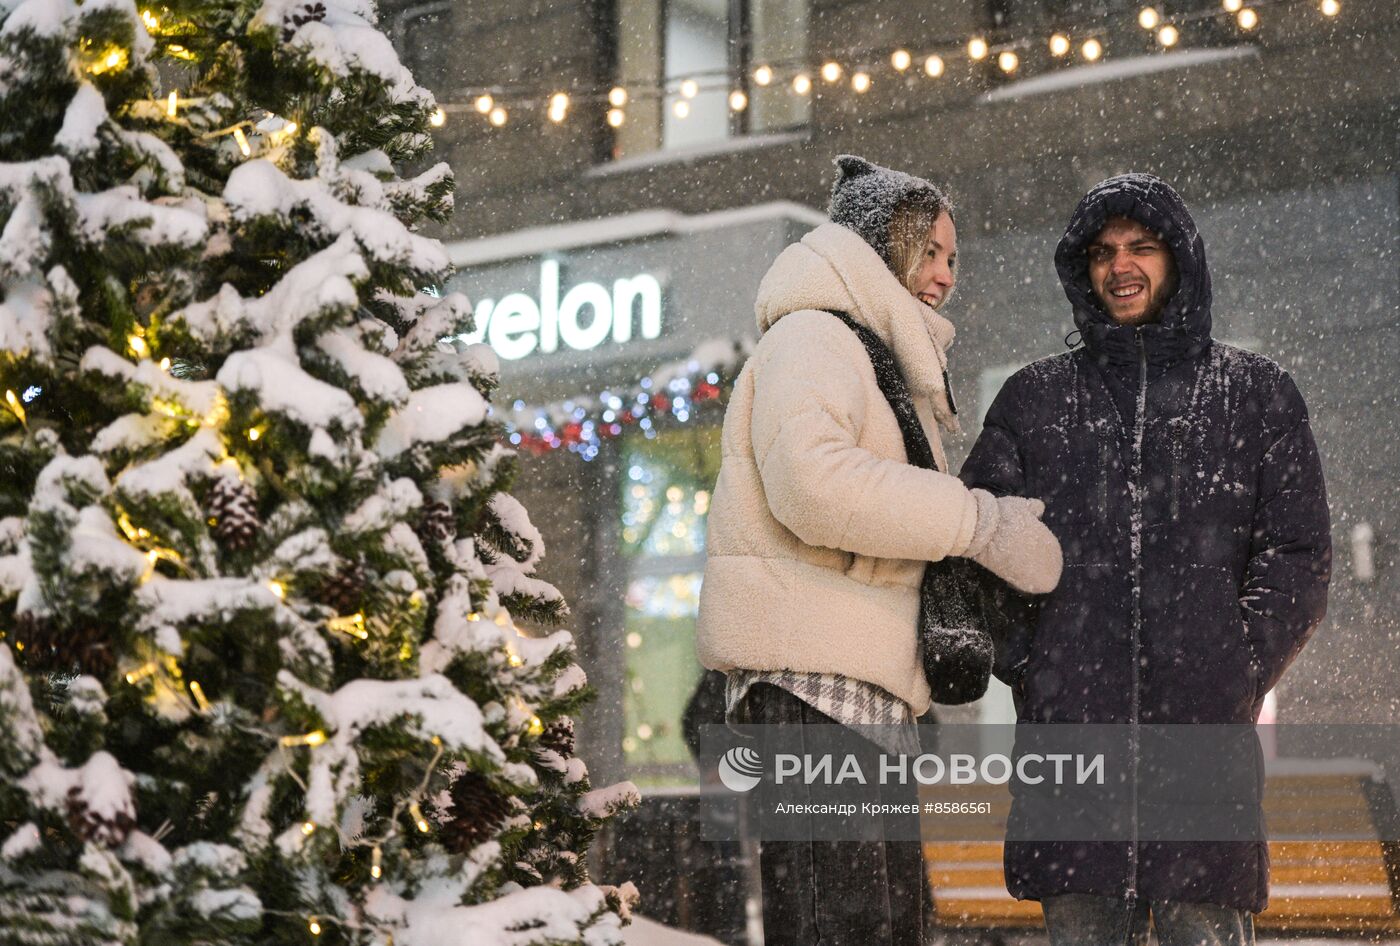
[644,932]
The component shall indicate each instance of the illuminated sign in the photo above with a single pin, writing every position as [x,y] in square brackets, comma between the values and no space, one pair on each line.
[588,315]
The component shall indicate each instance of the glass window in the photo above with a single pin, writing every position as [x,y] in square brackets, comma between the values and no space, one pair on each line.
[665,501]
[418,33]
[777,37]
[696,53]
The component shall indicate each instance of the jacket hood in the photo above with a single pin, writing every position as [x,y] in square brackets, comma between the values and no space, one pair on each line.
[833,269]
[1184,329]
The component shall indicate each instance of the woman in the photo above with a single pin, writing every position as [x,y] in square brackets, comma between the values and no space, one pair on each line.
[819,530]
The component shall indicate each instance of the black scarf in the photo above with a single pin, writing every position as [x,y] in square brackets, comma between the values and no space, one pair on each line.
[953,638]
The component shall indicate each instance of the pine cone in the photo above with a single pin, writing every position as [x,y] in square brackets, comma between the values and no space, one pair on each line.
[342,591]
[558,736]
[233,507]
[477,813]
[437,525]
[45,646]
[91,826]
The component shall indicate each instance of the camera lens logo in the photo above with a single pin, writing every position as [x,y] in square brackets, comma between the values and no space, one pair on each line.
[740,769]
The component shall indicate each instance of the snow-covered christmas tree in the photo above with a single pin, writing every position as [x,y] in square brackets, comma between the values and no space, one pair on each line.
[261,679]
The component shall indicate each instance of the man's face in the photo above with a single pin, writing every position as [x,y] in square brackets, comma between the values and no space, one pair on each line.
[1132,271]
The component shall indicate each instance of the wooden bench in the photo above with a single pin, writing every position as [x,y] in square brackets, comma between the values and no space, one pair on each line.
[1331,870]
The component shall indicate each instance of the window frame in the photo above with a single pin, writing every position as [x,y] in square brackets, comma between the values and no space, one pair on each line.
[740,65]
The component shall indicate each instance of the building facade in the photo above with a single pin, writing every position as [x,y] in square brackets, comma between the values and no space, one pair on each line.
[628,231]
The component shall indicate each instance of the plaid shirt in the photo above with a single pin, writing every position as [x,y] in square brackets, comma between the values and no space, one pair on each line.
[849,701]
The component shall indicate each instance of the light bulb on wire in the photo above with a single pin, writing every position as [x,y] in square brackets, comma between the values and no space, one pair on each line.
[901,59]
[1148,18]
[831,71]
[1330,8]
[860,81]
[558,107]
[484,104]
[617,96]
[763,75]
[1059,45]
[681,109]
[1247,19]
[1092,50]
[1008,61]
[1168,36]
[690,88]
[1232,6]
[802,83]
[616,117]
[498,116]
[934,66]
[738,101]
[977,48]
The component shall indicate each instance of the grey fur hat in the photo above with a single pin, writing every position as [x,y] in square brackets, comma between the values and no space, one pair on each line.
[865,196]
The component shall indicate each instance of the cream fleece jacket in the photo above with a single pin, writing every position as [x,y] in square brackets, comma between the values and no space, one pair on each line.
[819,528]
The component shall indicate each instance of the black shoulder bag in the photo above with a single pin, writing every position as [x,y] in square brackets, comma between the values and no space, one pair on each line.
[953,636]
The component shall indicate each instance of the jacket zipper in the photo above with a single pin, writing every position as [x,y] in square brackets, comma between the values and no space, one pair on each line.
[1139,429]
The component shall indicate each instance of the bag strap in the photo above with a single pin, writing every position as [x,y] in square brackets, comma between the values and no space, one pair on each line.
[896,392]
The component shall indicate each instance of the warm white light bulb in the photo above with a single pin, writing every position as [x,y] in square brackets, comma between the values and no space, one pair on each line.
[499,116]
[901,59]
[1148,18]
[1059,44]
[681,108]
[1232,6]
[617,97]
[1330,7]
[1091,50]
[438,118]
[1168,36]
[690,88]
[860,81]
[977,48]
[933,66]
[1008,61]
[738,101]
[831,71]
[616,117]
[763,75]
[484,104]
[801,83]
[1247,19]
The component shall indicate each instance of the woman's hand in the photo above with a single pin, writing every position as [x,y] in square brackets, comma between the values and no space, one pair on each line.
[1012,543]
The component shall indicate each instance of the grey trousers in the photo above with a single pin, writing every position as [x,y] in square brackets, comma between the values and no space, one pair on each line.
[1078,919]
[839,893]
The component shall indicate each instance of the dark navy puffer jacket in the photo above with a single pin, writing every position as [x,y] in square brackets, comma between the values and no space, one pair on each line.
[1181,478]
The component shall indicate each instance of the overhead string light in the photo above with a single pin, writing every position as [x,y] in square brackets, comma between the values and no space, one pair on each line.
[1081,39]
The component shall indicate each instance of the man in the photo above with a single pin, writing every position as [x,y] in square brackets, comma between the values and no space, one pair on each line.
[1181,478]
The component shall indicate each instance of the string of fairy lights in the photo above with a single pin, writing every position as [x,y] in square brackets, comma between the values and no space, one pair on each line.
[1085,42]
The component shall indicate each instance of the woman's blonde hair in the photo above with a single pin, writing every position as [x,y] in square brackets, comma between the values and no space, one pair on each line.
[909,229]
